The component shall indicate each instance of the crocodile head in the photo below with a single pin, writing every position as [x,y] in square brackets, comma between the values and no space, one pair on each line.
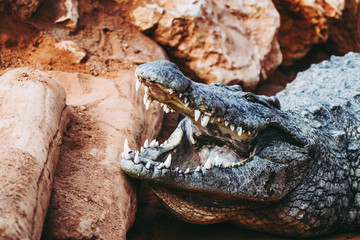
[233,151]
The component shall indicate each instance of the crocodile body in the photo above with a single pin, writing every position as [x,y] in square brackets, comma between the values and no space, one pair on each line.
[292,170]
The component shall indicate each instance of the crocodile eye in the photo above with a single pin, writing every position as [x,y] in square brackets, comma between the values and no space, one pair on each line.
[250,98]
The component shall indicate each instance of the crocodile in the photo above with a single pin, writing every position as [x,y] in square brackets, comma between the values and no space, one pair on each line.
[287,164]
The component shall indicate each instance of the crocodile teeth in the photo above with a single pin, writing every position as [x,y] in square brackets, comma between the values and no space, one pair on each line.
[146,143]
[145,98]
[160,166]
[167,162]
[171,91]
[207,165]
[146,91]
[186,104]
[153,142]
[219,119]
[187,171]
[142,149]
[148,165]
[204,120]
[147,104]
[212,120]
[226,123]
[239,131]
[180,95]
[126,146]
[197,114]
[136,158]
[126,150]
[232,127]
[198,169]
[138,83]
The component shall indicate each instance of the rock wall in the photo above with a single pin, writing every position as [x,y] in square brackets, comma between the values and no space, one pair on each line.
[234,42]
[32,119]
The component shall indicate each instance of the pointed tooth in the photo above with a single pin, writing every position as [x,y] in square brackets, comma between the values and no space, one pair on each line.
[186,100]
[239,130]
[122,155]
[126,155]
[160,166]
[198,169]
[186,104]
[161,104]
[180,95]
[219,119]
[207,165]
[167,110]
[126,146]
[187,171]
[180,171]
[146,143]
[168,161]
[171,91]
[152,144]
[148,165]
[212,120]
[248,132]
[138,83]
[147,104]
[176,169]
[156,143]
[226,123]
[142,149]
[204,120]
[136,158]
[146,90]
[197,114]
[145,98]
[232,127]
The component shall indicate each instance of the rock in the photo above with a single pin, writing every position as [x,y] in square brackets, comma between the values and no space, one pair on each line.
[230,42]
[344,34]
[303,24]
[70,13]
[74,53]
[32,119]
[21,9]
[91,196]
[146,16]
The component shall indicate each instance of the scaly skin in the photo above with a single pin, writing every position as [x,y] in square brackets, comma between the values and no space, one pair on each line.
[292,171]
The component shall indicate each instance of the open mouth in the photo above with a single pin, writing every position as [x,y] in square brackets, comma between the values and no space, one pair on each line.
[212,140]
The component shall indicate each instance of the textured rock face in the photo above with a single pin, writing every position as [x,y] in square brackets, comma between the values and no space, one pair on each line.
[344,34]
[32,119]
[89,185]
[303,24]
[21,9]
[230,42]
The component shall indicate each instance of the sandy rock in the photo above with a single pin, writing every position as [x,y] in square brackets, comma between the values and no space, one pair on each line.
[74,52]
[344,34]
[92,198]
[70,14]
[146,16]
[32,119]
[225,41]
[305,23]
[21,9]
